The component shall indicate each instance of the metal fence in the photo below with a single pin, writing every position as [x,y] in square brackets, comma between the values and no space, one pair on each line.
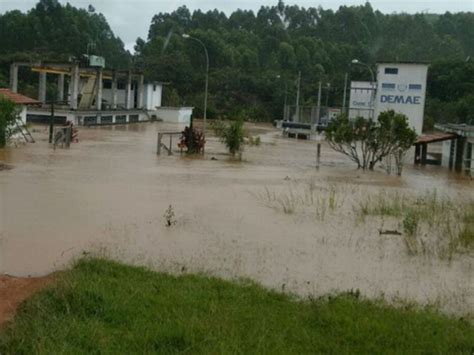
[321,115]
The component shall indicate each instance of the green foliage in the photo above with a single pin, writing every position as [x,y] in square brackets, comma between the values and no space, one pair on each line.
[366,141]
[452,219]
[8,115]
[231,134]
[306,199]
[193,140]
[254,141]
[450,91]
[249,50]
[104,307]
[52,31]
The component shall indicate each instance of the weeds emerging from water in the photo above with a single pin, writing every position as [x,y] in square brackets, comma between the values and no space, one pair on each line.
[306,198]
[431,224]
[169,217]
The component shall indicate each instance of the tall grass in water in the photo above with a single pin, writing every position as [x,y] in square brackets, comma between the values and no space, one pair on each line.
[305,198]
[447,223]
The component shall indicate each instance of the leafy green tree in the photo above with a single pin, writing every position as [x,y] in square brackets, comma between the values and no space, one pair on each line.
[8,115]
[231,134]
[366,141]
[249,49]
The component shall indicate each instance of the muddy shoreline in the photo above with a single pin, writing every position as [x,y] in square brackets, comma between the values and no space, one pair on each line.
[13,291]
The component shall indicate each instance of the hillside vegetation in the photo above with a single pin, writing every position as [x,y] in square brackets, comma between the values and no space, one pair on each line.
[255,57]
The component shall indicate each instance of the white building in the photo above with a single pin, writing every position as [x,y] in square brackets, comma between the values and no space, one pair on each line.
[402,87]
[362,99]
[92,95]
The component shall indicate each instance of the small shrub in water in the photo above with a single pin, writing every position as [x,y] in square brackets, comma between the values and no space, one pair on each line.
[169,217]
[193,140]
[232,135]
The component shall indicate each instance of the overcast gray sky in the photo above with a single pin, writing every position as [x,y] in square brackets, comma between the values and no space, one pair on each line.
[130,19]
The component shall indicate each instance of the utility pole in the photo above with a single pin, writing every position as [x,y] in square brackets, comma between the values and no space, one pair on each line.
[298,97]
[51,123]
[327,95]
[318,113]
[206,88]
[345,93]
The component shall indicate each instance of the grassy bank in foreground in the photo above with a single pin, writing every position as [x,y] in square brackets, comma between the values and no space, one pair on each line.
[102,306]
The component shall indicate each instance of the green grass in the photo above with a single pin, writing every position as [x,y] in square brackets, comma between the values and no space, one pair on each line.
[104,307]
[452,220]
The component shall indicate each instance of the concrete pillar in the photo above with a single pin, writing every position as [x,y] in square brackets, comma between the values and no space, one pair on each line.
[42,87]
[465,155]
[14,77]
[98,98]
[459,153]
[61,87]
[424,153]
[417,154]
[128,91]
[114,89]
[74,87]
[140,92]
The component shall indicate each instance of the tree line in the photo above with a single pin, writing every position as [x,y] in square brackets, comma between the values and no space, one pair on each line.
[255,57]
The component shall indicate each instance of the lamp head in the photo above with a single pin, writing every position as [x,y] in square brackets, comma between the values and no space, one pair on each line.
[185,35]
[355,61]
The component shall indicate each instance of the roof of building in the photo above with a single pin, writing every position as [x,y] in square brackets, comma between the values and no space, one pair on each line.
[404,62]
[18,98]
[434,137]
[462,129]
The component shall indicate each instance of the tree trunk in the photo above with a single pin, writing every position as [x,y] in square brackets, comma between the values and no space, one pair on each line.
[3,137]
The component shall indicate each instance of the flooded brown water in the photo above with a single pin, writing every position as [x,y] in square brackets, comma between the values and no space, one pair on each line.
[108,194]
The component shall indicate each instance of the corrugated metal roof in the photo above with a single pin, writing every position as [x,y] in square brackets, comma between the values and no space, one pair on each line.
[18,98]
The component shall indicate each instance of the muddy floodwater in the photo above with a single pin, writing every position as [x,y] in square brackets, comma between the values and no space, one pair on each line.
[108,194]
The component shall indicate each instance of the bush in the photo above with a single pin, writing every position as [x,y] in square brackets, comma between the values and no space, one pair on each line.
[367,142]
[193,140]
[232,135]
[8,115]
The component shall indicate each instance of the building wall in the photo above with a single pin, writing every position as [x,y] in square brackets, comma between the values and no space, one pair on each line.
[402,88]
[361,99]
[23,114]
[107,95]
[472,156]
[446,153]
[22,118]
[174,114]
[152,96]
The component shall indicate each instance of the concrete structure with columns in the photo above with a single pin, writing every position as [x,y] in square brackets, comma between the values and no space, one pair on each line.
[90,94]
[458,152]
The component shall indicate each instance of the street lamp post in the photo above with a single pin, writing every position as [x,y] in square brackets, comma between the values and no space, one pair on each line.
[357,62]
[207,76]
[286,95]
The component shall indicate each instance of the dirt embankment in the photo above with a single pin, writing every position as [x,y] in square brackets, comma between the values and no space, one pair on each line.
[14,290]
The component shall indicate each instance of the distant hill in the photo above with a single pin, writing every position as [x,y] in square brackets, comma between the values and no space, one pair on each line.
[255,57]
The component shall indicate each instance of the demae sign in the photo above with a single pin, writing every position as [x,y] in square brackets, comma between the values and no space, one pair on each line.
[399,99]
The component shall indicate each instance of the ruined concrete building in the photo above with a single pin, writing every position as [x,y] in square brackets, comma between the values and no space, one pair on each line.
[92,95]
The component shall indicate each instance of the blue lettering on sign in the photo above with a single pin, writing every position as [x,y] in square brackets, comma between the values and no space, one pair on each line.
[399,99]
